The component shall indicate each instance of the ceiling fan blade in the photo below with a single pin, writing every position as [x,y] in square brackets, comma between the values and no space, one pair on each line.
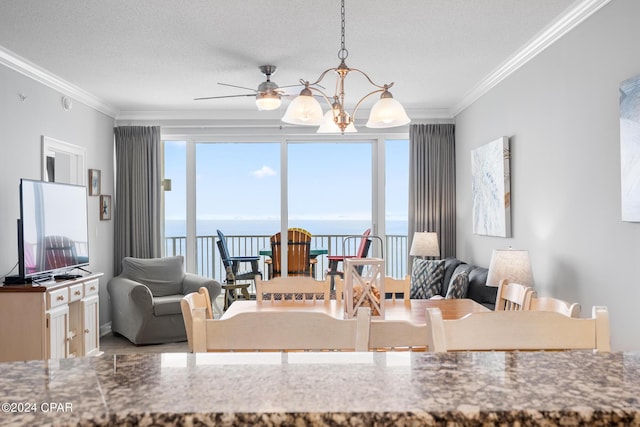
[239,87]
[225,96]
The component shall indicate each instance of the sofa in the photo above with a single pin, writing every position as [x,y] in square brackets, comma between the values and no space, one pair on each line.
[145,299]
[437,278]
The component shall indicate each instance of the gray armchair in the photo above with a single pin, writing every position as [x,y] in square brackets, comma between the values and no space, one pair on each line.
[145,299]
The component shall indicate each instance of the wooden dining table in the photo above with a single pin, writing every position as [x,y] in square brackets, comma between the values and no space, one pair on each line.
[403,326]
[411,310]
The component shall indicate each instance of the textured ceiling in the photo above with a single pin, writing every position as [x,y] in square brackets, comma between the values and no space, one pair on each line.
[144,55]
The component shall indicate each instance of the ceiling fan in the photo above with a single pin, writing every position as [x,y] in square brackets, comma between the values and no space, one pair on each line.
[268,95]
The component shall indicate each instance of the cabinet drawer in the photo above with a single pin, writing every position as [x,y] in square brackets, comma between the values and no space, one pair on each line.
[91,287]
[75,292]
[57,297]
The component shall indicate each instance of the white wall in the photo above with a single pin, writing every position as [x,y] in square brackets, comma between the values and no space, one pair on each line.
[22,125]
[560,112]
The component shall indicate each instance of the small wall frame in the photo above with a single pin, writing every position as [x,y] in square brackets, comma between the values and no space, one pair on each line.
[94,182]
[105,208]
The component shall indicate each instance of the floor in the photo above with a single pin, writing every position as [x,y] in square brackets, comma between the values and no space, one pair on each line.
[117,344]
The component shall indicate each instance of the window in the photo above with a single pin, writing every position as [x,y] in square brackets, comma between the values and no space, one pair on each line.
[331,189]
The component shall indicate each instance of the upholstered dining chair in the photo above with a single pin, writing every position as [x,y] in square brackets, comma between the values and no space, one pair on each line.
[513,296]
[299,262]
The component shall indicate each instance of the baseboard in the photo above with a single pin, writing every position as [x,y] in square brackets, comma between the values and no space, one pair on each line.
[105,329]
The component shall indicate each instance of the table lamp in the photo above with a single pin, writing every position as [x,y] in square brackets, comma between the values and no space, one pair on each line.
[511,264]
[425,244]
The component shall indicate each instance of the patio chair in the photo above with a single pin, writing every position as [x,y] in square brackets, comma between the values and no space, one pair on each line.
[299,262]
[362,252]
[233,273]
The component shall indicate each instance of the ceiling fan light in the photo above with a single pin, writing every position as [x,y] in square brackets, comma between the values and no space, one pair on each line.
[268,101]
[303,110]
[329,125]
[387,113]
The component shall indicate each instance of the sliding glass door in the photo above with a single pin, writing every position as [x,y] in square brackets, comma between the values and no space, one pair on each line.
[251,190]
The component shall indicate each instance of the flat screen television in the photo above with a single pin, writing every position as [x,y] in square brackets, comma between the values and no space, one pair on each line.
[53,234]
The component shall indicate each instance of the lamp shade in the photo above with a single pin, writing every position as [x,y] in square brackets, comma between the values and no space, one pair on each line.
[387,113]
[512,265]
[303,110]
[425,244]
[268,101]
[328,125]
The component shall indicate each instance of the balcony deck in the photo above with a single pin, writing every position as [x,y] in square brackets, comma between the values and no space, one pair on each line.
[209,263]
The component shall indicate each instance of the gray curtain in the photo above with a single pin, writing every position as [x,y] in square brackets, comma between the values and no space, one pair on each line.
[137,202]
[432,184]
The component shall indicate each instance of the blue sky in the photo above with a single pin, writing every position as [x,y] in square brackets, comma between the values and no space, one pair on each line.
[326,180]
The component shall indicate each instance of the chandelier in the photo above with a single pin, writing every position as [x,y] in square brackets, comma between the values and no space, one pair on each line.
[306,110]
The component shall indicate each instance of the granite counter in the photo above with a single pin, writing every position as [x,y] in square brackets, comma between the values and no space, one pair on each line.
[394,388]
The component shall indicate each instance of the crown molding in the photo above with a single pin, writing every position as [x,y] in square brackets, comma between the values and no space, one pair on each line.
[574,16]
[244,118]
[29,69]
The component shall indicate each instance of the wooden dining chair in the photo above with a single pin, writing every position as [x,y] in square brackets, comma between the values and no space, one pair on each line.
[292,288]
[393,287]
[279,331]
[518,330]
[513,296]
[299,262]
[557,305]
[190,302]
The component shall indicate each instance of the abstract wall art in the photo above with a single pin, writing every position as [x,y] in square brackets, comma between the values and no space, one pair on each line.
[491,188]
[630,148]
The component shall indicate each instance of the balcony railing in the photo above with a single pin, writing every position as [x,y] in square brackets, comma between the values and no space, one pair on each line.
[209,264]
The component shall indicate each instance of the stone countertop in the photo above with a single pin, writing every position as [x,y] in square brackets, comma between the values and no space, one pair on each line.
[394,388]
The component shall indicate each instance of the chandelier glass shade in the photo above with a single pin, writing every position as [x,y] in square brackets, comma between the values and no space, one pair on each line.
[306,110]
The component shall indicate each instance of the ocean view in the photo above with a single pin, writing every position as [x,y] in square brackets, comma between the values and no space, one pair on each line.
[178,228]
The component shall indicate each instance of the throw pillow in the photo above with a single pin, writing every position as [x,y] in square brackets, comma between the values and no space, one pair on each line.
[426,278]
[458,286]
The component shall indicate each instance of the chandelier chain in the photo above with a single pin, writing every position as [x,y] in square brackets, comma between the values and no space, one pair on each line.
[343,52]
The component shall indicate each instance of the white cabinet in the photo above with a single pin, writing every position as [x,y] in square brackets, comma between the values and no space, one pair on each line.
[58,336]
[56,320]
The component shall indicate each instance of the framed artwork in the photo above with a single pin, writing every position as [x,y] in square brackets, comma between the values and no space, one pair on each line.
[105,208]
[94,182]
[630,148]
[491,188]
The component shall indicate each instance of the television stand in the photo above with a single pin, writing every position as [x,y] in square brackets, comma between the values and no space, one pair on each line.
[66,276]
[51,321]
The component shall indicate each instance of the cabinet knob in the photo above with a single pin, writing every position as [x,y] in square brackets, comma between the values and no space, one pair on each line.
[93,288]
[86,331]
[60,298]
[77,293]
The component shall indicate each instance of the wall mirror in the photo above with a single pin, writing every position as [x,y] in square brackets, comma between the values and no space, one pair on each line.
[62,162]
